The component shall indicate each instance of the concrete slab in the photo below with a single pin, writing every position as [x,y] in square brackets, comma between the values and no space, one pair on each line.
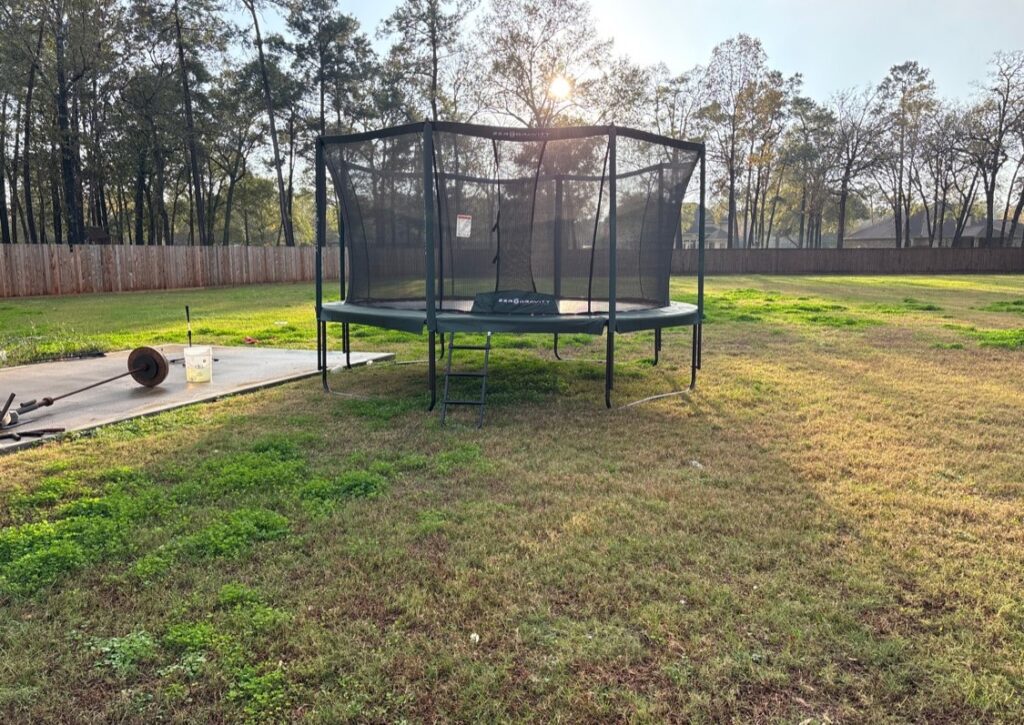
[236,370]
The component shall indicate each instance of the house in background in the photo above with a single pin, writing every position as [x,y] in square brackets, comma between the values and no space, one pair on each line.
[882,233]
[716,236]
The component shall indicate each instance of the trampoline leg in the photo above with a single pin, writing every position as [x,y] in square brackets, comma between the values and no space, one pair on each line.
[557,357]
[694,356]
[432,371]
[442,347]
[321,353]
[346,345]
[319,343]
[609,365]
[657,343]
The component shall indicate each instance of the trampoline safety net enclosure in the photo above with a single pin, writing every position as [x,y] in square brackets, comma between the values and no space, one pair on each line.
[454,227]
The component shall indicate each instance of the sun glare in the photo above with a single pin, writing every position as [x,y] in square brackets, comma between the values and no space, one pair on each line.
[560,88]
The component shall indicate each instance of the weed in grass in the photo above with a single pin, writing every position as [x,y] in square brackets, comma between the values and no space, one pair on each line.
[41,567]
[150,425]
[430,522]
[751,305]
[124,655]
[459,457]
[262,696]
[379,412]
[907,304]
[50,491]
[189,667]
[153,565]
[233,595]
[948,345]
[253,471]
[1016,306]
[1010,339]
[35,555]
[389,464]
[191,637]
[235,533]
[254,619]
[351,484]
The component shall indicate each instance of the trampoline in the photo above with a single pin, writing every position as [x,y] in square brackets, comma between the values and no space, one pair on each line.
[450,227]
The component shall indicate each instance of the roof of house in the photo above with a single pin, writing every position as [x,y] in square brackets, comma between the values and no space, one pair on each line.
[885,229]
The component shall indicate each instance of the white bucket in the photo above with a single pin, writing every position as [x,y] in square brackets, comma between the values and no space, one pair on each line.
[199,364]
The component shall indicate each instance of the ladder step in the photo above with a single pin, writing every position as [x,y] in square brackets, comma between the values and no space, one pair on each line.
[463,402]
[466,375]
[468,347]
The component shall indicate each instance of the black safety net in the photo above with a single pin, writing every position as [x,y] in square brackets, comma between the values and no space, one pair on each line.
[519,211]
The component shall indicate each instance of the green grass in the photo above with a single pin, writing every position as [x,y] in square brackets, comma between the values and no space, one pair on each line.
[827,530]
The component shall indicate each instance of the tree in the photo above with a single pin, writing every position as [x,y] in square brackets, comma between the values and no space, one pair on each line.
[235,136]
[676,100]
[857,133]
[190,129]
[807,157]
[991,123]
[736,66]
[533,42]
[286,222]
[426,34]
[330,54]
[907,94]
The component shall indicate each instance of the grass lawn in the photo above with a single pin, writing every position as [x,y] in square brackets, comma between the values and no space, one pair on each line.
[831,528]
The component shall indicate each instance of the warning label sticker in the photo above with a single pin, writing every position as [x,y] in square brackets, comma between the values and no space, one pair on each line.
[463,225]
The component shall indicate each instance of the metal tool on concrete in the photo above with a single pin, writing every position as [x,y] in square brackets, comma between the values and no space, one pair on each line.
[147,366]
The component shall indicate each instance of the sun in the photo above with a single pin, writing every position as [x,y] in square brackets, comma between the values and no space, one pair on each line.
[560,88]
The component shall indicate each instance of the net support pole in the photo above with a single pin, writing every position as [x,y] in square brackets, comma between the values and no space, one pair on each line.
[321,234]
[341,284]
[429,251]
[557,236]
[698,326]
[609,362]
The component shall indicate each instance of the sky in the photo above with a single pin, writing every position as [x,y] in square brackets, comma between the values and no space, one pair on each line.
[835,45]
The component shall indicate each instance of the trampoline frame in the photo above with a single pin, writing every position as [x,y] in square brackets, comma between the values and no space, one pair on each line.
[435,322]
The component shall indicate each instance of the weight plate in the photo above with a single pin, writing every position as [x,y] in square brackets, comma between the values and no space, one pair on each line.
[148,367]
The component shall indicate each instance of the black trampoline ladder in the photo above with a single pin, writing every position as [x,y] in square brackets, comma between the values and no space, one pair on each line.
[480,374]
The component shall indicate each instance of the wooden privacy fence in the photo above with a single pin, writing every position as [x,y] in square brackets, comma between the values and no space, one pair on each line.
[48,269]
[919,260]
[57,270]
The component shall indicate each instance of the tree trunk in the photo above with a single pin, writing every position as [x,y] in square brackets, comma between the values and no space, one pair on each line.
[58,217]
[5,229]
[42,208]
[229,204]
[190,131]
[76,224]
[731,222]
[286,222]
[990,210]
[803,214]
[775,205]
[15,160]
[844,193]
[140,199]
[1015,220]
[27,161]
[151,237]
